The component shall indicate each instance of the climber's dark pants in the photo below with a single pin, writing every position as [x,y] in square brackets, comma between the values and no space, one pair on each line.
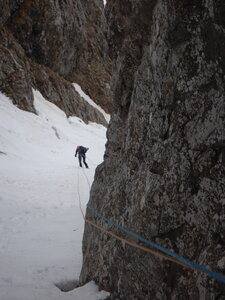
[80,157]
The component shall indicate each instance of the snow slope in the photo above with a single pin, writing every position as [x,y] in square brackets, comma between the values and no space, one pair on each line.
[41,225]
[90,101]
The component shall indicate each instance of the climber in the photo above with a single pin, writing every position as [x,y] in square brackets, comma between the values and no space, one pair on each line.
[81,154]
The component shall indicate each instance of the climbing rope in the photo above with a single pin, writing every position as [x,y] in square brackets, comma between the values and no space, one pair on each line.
[78,192]
[165,253]
[134,244]
[89,185]
[160,252]
[90,160]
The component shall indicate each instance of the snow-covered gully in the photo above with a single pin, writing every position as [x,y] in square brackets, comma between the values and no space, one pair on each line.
[41,225]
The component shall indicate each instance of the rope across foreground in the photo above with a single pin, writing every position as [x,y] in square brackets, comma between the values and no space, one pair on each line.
[159,252]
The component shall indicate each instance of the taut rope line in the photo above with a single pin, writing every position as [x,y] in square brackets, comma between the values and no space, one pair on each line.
[162,252]
[87,180]
[78,192]
[165,253]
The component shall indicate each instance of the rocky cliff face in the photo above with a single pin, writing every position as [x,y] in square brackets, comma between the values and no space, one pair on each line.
[163,175]
[48,45]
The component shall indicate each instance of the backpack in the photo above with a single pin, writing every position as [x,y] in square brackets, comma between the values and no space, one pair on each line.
[82,149]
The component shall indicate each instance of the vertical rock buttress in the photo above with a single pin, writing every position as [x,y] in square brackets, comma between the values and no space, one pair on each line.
[68,37]
[163,174]
[49,44]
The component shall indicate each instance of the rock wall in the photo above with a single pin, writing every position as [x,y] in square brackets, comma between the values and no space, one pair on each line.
[163,174]
[49,44]
[19,74]
[66,36]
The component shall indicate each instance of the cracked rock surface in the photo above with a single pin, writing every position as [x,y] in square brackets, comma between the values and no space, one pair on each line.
[163,174]
[48,45]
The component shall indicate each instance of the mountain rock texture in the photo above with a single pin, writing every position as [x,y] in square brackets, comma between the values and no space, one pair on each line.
[49,44]
[163,174]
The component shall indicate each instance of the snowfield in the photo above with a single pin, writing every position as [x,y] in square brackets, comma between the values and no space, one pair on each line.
[41,225]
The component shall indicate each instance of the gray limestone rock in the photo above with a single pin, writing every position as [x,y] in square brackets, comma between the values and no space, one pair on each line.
[66,36]
[47,45]
[15,80]
[163,174]
[18,75]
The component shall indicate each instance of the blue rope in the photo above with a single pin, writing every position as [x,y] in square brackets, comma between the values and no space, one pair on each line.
[166,251]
